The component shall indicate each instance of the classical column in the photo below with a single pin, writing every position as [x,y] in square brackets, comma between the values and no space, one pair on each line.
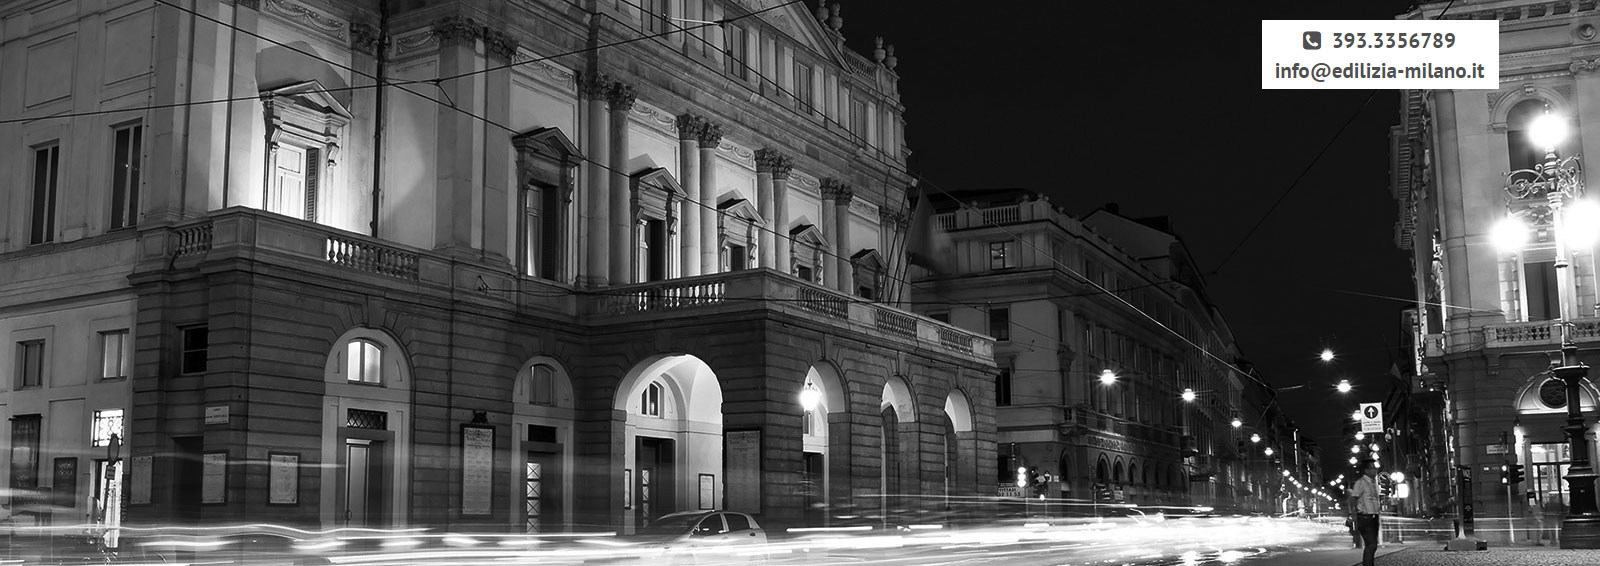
[830,191]
[774,167]
[456,207]
[499,199]
[765,158]
[241,182]
[892,230]
[841,239]
[710,136]
[689,128]
[621,98]
[597,189]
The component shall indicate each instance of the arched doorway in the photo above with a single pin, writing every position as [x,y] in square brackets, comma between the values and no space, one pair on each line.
[366,430]
[542,424]
[821,401]
[672,438]
[897,408]
[958,442]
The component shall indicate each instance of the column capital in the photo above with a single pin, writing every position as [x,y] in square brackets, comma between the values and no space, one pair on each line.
[593,85]
[251,4]
[621,96]
[710,136]
[453,30]
[896,218]
[499,45]
[769,160]
[365,38]
[833,188]
[690,126]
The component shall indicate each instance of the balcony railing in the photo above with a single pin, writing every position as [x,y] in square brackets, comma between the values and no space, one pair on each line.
[1538,333]
[371,256]
[766,289]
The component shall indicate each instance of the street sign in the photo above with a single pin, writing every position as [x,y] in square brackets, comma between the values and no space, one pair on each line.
[1007,490]
[1372,417]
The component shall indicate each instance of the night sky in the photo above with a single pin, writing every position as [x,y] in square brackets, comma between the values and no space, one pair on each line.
[1158,107]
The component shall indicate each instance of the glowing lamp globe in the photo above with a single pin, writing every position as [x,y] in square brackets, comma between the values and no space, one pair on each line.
[1547,131]
[1509,235]
[1344,386]
[1237,423]
[1255,438]
[1188,394]
[1397,476]
[810,398]
[1581,227]
[1327,355]
[1268,451]
[1107,377]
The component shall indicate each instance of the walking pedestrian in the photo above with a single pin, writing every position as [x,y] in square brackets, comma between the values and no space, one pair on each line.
[1364,507]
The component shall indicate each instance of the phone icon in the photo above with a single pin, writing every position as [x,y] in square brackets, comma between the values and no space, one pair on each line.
[1311,40]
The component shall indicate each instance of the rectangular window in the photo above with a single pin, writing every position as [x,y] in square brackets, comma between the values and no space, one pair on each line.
[653,16]
[363,362]
[656,252]
[196,348]
[543,386]
[125,159]
[1000,323]
[737,56]
[107,422]
[30,364]
[25,432]
[1002,388]
[1543,293]
[858,120]
[802,87]
[46,166]
[113,344]
[288,194]
[737,258]
[1002,254]
[804,272]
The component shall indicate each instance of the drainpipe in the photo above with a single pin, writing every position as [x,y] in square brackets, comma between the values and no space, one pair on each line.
[377,131]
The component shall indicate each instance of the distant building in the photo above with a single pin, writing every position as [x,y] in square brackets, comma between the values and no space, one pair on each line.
[1019,276]
[516,289]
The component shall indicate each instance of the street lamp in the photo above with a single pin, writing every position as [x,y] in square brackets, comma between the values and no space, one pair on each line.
[810,397]
[1188,395]
[1108,377]
[1327,355]
[1344,386]
[1255,438]
[1544,195]
[1237,423]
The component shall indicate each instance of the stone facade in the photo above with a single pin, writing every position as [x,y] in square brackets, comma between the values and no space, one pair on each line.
[534,273]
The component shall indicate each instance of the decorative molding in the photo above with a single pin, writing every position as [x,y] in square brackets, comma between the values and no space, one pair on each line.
[454,30]
[251,4]
[525,62]
[656,117]
[365,38]
[309,18]
[1584,66]
[738,153]
[865,209]
[416,41]
[806,183]
[837,190]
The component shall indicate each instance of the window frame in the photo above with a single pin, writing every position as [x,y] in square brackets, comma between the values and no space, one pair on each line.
[187,353]
[305,117]
[1007,256]
[32,376]
[127,175]
[46,184]
[1000,316]
[103,416]
[121,357]
[1004,387]
[362,346]
[802,84]
[546,386]
[650,400]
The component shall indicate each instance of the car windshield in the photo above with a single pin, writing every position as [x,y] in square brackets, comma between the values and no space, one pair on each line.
[672,524]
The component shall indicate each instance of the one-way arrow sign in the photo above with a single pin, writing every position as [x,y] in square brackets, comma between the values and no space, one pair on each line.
[1372,417]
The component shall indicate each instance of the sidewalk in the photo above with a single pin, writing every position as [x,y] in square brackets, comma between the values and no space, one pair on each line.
[1340,557]
[1430,554]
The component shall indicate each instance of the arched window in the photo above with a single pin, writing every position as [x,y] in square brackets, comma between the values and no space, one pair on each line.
[650,400]
[1133,474]
[1520,149]
[1116,472]
[541,385]
[364,362]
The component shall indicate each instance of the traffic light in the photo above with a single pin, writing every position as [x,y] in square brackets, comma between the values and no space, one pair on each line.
[1505,474]
[1514,474]
[1040,481]
[1022,476]
[1385,487]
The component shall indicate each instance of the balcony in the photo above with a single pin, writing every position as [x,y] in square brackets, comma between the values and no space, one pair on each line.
[1540,333]
[248,234]
[765,289]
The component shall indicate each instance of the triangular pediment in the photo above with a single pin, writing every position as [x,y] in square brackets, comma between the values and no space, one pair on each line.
[311,95]
[549,142]
[808,234]
[742,209]
[658,178]
[799,23]
[869,258]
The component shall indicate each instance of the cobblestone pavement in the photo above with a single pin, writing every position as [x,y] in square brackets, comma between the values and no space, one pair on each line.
[1431,555]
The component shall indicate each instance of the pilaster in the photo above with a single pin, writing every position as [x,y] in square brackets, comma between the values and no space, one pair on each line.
[596,270]
[708,139]
[621,97]
[690,127]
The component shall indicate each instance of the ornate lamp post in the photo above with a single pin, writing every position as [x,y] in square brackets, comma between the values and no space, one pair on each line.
[1547,195]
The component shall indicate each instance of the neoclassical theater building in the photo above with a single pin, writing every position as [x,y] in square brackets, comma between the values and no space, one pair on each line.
[524,265]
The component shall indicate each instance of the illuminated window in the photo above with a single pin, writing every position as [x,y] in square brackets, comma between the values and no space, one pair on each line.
[650,401]
[363,362]
[112,360]
[107,422]
[1002,254]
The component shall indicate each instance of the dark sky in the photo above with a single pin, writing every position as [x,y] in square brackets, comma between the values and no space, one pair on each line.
[1158,107]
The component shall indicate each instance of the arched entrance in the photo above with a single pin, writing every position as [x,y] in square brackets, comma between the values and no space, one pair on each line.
[672,438]
[366,431]
[821,397]
[542,424]
[897,411]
